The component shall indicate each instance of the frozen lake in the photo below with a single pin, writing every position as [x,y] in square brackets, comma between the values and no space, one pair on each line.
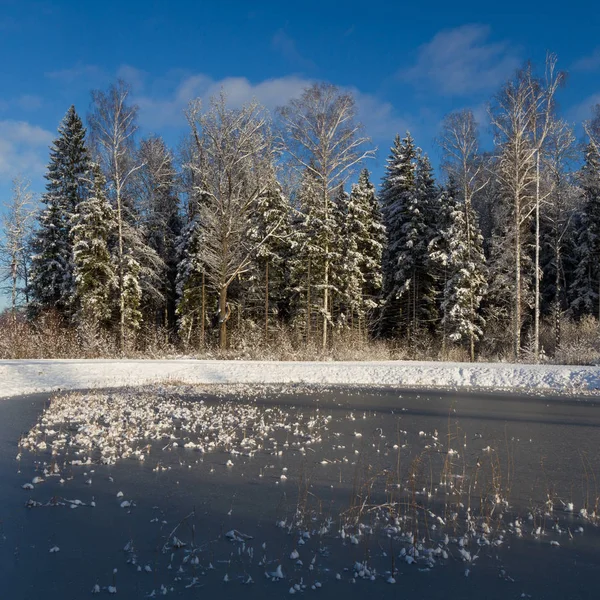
[350,489]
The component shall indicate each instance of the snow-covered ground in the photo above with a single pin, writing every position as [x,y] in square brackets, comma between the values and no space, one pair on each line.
[29,376]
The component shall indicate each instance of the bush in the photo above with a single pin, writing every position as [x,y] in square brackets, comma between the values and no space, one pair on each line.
[580,343]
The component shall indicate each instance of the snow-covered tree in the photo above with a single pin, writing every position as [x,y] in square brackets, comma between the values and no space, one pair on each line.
[523,117]
[16,221]
[52,264]
[557,223]
[269,276]
[190,283]
[320,134]
[397,189]
[366,223]
[92,227]
[585,292]
[113,127]
[231,169]
[410,216]
[347,279]
[512,117]
[306,256]
[161,222]
[356,262]
[461,161]
[461,256]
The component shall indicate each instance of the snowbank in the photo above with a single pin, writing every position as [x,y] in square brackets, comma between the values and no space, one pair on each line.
[29,376]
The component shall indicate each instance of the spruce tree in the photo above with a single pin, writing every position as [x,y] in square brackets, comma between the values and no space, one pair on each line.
[161,221]
[92,226]
[397,189]
[346,275]
[365,232]
[269,276]
[585,292]
[461,255]
[52,281]
[306,260]
[190,285]
[409,194]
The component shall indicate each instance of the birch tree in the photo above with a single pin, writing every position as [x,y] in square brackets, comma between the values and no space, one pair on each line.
[113,127]
[232,168]
[512,118]
[543,94]
[557,222]
[319,133]
[16,222]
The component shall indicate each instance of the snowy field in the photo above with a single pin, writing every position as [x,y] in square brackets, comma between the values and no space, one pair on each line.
[30,376]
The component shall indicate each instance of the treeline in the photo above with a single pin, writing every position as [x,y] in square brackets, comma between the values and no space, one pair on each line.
[266,223]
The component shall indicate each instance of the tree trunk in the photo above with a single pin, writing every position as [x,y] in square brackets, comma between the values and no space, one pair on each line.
[267,302]
[308,303]
[14,289]
[203,314]
[121,278]
[517,324]
[557,295]
[223,316]
[469,246]
[536,328]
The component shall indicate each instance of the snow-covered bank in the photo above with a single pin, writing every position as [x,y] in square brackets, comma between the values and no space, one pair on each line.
[29,376]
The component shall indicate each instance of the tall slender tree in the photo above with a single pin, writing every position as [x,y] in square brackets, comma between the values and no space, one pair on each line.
[161,221]
[320,134]
[16,222]
[397,188]
[461,161]
[585,293]
[113,127]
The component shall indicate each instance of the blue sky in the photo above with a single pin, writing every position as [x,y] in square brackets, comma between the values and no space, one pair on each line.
[407,63]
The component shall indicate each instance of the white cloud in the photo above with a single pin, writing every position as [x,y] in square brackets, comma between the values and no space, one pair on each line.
[583,111]
[461,61]
[26,102]
[134,77]
[379,117]
[156,113]
[78,72]
[286,45]
[588,63]
[23,149]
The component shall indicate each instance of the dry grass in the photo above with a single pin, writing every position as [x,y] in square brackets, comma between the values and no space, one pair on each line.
[50,337]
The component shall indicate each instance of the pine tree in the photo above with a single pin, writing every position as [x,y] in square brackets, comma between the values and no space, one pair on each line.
[585,292]
[52,281]
[92,226]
